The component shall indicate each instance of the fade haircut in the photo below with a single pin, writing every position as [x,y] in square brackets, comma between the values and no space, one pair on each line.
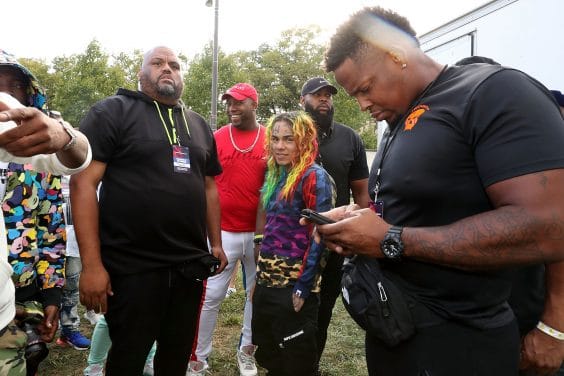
[351,37]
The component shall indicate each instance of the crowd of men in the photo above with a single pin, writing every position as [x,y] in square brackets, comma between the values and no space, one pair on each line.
[466,183]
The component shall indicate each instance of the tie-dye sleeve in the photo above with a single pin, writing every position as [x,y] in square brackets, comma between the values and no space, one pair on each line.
[319,194]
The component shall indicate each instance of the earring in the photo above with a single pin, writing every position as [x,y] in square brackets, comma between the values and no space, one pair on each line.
[404,65]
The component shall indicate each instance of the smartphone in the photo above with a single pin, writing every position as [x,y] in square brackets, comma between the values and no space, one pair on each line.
[315,217]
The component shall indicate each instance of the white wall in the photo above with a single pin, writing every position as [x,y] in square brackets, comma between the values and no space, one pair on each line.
[524,34]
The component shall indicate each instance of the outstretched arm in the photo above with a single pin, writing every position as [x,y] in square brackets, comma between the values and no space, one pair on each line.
[36,133]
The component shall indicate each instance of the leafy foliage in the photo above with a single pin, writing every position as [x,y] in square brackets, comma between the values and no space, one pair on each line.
[277,70]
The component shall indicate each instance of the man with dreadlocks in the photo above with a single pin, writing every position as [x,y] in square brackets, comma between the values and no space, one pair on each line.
[285,301]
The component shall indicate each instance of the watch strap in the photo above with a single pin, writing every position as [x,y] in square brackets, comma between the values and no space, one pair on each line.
[70,131]
[395,230]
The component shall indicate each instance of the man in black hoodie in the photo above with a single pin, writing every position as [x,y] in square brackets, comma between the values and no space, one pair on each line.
[143,246]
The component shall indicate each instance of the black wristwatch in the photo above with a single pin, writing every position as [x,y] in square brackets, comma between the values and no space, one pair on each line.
[392,246]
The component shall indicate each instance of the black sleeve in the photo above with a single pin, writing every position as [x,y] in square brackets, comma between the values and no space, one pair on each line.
[359,166]
[101,130]
[514,126]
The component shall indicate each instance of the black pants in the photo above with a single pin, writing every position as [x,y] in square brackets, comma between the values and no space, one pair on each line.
[160,305]
[448,349]
[285,338]
[330,290]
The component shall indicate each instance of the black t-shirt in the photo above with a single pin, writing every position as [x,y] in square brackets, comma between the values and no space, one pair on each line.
[344,158]
[477,125]
[150,215]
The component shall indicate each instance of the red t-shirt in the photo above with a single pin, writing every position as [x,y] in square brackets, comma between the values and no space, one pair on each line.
[243,175]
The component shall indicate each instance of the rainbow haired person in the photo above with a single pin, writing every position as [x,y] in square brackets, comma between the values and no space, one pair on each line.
[285,301]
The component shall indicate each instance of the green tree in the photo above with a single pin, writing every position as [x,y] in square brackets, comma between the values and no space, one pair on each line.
[281,69]
[130,66]
[198,81]
[84,79]
[277,70]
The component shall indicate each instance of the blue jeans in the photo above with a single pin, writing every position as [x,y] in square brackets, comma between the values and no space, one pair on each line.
[69,317]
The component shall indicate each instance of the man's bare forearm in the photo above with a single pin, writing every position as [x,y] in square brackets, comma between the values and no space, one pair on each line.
[502,237]
[526,226]
[213,213]
[553,314]
[76,155]
[85,213]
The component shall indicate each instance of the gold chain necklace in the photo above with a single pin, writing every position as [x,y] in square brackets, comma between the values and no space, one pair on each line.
[247,149]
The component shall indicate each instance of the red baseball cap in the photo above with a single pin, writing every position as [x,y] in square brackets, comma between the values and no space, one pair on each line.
[241,91]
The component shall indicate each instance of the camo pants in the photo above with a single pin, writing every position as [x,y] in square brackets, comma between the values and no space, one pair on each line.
[12,347]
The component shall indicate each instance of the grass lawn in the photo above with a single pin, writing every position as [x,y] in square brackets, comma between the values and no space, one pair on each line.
[344,353]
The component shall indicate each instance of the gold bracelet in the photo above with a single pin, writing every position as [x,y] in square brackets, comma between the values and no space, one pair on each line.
[550,331]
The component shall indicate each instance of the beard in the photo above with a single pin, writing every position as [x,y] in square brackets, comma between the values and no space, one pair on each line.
[173,91]
[168,91]
[322,120]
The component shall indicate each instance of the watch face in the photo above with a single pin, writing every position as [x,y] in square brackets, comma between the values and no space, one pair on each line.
[392,246]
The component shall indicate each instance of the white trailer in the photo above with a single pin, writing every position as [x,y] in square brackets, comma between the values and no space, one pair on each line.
[523,34]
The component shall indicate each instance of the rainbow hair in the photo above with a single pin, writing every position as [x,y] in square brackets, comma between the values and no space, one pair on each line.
[305,137]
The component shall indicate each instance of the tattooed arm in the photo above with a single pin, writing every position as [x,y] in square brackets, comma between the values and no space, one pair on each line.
[526,226]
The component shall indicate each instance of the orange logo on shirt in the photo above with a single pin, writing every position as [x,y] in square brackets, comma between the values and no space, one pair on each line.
[414,116]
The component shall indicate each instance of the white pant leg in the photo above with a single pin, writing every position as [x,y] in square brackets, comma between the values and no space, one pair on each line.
[216,287]
[249,274]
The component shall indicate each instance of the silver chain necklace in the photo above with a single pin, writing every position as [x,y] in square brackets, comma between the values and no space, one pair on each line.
[247,149]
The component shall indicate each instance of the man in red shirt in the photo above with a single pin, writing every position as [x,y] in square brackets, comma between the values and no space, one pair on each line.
[240,147]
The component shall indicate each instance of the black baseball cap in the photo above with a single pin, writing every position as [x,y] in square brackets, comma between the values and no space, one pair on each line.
[314,84]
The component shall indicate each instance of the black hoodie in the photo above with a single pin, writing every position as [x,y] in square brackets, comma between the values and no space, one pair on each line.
[150,215]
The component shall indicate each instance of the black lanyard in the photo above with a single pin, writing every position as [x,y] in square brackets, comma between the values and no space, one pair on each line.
[396,128]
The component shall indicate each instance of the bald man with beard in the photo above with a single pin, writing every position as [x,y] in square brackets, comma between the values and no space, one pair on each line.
[144,244]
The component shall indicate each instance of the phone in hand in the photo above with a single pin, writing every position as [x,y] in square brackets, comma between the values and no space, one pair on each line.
[315,217]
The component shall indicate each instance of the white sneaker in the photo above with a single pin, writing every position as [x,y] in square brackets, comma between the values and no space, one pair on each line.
[92,317]
[246,360]
[95,369]
[149,369]
[197,368]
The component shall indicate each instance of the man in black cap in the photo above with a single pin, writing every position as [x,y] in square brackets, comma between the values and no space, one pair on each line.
[342,154]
